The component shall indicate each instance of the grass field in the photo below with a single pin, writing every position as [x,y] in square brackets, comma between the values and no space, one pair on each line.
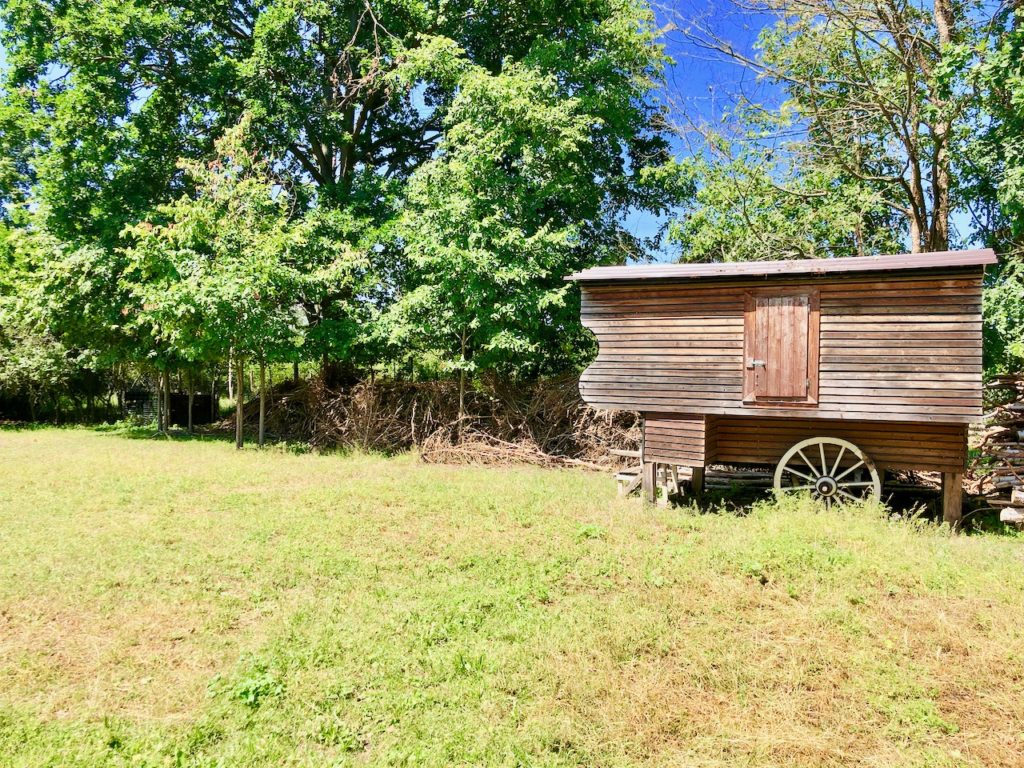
[178,603]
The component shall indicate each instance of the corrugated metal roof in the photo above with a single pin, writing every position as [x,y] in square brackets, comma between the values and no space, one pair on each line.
[936,260]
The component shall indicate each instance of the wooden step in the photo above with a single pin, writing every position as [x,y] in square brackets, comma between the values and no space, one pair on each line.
[624,453]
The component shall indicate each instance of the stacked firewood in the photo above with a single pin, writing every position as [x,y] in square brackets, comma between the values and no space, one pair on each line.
[998,470]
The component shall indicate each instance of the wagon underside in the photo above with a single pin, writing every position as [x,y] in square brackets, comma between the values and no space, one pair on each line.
[699,440]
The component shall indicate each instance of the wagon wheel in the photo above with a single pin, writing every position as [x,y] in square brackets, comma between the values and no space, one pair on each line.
[832,469]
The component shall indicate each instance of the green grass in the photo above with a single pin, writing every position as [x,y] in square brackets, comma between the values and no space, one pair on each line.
[178,603]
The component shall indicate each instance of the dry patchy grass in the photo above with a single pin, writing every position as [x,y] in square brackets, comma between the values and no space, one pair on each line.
[179,603]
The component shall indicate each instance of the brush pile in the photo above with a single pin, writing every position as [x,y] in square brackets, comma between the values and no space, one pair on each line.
[545,423]
[998,471]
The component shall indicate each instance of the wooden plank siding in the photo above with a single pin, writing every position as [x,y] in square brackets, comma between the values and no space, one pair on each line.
[673,438]
[901,347]
[695,441]
[927,447]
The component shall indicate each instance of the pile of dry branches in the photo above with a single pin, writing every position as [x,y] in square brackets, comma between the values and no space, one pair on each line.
[544,422]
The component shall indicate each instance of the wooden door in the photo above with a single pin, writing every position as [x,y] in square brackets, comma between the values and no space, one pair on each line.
[781,348]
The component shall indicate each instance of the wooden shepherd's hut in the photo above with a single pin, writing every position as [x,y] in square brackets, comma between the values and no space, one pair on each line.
[833,370]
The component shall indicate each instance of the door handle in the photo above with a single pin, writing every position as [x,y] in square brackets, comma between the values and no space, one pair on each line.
[753,363]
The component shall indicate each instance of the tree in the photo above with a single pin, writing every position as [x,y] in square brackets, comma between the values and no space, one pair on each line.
[878,94]
[752,200]
[100,99]
[995,180]
[214,275]
[532,182]
[32,363]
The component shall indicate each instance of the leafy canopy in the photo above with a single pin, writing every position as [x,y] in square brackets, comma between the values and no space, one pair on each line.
[215,275]
[381,123]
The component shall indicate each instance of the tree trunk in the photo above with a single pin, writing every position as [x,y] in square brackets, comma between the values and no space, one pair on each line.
[167,399]
[462,402]
[462,385]
[191,398]
[944,20]
[939,233]
[239,400]
[295,373]
[263,398]
[231,386]
[159,404]
[214,399]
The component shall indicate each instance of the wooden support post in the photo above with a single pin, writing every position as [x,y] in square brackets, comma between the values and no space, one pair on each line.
[662,482]
[648,484]
[697,482]
[952,498]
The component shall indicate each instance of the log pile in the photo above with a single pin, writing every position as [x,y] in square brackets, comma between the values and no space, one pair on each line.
[1014,515]
[997,473]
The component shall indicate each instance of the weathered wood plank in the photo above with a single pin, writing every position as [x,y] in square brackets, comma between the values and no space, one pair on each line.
[929,281]
[673,438]
[904,445]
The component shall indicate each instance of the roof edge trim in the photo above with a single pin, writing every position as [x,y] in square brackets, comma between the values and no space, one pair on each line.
[814,267]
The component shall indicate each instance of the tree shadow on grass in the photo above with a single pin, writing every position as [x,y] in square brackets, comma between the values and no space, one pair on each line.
[205,434]
[129,430]
[22,426]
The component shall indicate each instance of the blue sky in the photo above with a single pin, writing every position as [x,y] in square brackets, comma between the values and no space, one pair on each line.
[701,84]
[706,83]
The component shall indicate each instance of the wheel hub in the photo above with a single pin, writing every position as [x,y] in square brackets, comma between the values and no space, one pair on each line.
[825,486]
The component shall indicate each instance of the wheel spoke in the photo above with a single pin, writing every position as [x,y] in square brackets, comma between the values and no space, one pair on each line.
[859,484]
[848,471]
[839,458]
[808,463]
[841,492]
[824,464]
[800,474]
